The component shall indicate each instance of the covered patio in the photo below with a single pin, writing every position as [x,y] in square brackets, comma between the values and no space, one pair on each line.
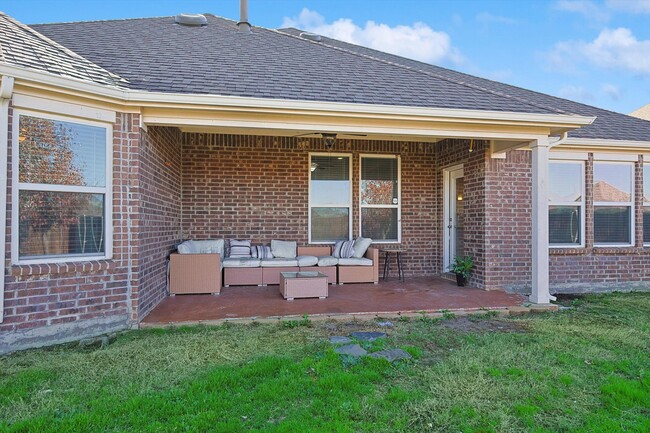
[388,298]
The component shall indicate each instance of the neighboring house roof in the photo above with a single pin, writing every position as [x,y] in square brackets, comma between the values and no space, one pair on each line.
[154,54]
[604,192]
[642,113]
[23,47]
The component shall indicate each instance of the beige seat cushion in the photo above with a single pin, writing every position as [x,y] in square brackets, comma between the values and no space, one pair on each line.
[327,261]
[307,260]
[278,262]
[242,262]
[353,261]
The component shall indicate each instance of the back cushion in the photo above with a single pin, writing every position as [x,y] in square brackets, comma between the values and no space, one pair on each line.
[361,245]
[202,247]
[283,249]
[240,248]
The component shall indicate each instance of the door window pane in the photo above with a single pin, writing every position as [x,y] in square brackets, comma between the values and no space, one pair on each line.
[330,224]
[60,223]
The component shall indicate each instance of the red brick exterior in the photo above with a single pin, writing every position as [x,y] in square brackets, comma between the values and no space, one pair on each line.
[257,188]
[169,186]
[59,302]
[508,231]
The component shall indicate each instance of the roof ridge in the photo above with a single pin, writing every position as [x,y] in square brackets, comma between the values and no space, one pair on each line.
[58,46]
[429,73]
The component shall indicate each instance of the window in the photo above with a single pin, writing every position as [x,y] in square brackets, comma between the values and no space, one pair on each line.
[566,204]
[330,198]
[646,204]
[61,204]
[380,198]
[613,203]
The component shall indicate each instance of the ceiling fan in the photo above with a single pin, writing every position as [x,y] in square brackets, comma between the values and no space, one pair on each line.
[329,138]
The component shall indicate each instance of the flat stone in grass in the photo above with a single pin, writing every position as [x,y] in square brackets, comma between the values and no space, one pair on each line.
[391,355]
[367,336]
[351,350]
[337,339]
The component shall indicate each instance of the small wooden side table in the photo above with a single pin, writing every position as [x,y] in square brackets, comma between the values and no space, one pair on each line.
[398,255]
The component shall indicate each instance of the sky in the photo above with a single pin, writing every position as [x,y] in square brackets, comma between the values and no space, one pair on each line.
[592,51]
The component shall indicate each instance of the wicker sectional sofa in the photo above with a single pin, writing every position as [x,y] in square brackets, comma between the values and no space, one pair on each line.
[198,264]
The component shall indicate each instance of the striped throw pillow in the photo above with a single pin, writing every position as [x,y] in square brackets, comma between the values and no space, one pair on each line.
[261,252]
[343,249]
[240,248]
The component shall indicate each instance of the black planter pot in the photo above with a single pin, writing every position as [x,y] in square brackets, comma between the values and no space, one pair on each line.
[461,280]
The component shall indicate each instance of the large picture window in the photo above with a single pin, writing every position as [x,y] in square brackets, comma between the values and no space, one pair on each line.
[566,204]
[330,198]
[613,203]
[646,204]
[61,178]
[379,198]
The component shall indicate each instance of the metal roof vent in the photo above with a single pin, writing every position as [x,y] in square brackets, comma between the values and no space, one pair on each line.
[310,36]
[191,20]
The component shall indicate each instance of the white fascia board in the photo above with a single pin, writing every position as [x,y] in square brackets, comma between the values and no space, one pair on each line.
[606,144]
[160,99]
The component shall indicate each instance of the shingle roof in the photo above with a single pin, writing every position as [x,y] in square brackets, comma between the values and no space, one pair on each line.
[21,46]
[155,54]
[608,124]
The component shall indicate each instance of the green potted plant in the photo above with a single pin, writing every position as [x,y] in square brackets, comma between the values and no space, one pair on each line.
[462,267]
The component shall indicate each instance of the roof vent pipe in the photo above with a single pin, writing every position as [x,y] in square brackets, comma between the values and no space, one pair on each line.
[243,23]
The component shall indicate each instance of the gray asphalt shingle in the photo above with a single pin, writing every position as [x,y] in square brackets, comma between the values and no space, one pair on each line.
[21,46]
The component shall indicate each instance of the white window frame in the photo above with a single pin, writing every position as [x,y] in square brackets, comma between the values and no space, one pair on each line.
[613,160]
[398,206]
[106,190]
[349,202]
[646,204]
[560,160]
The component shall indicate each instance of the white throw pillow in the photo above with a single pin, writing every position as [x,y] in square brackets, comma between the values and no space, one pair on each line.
[284,249]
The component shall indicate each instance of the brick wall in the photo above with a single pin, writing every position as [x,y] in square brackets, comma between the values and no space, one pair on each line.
[508,225]
[256,188]
[160,213]
[61,302]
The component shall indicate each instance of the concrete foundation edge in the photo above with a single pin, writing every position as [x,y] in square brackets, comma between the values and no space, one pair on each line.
[62,333]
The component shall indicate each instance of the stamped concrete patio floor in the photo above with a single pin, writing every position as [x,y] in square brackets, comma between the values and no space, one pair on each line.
[387,298]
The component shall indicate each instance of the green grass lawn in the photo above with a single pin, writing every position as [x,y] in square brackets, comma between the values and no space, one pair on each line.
[586,369]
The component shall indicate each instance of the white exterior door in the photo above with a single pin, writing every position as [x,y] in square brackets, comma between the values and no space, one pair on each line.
[454,237]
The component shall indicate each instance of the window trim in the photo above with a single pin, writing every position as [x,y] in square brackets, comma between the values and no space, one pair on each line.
[398,206]
[309,203]
[645,204]
[17,186]
[614,161]
[583,204]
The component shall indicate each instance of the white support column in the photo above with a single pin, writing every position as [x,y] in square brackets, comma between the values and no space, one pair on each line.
[540,285]
[6,91]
